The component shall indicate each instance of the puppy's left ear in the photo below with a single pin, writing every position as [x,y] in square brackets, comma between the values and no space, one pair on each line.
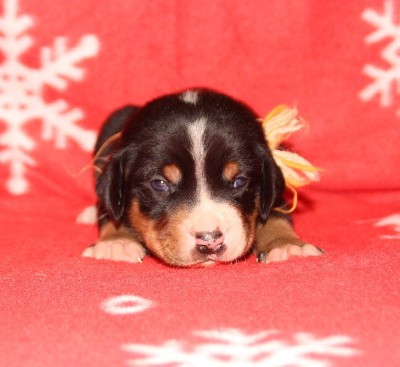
[272,186]
[110,188]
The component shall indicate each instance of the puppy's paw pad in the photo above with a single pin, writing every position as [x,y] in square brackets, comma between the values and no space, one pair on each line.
[283,253]
[121,249]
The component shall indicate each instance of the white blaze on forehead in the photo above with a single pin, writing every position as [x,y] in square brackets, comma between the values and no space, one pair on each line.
[196,134]
[190,96]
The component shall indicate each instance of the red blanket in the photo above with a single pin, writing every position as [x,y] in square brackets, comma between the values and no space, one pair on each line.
[64,67]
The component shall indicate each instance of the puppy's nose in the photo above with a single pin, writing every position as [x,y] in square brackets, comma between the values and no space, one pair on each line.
[209,243]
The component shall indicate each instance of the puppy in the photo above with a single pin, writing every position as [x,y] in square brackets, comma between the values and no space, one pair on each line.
[189,178]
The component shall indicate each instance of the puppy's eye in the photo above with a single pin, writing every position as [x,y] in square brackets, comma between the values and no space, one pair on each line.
[160,185]
[239,182]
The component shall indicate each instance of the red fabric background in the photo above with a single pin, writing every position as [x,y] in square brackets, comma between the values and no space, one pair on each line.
[308,53]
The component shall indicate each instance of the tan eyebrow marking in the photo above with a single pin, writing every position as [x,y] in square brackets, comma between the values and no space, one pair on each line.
[230,171]
[172,173]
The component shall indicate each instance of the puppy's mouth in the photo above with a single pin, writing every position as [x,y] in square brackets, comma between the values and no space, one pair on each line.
[211,259]
[207,261]
[194,261]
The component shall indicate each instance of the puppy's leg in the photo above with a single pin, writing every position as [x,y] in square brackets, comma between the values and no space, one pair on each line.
[116,244]
[276,240]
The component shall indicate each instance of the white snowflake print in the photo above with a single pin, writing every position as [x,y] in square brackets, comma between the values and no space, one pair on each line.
[393,222]
[21,94]
[385,82]
[125,304]
[233,348]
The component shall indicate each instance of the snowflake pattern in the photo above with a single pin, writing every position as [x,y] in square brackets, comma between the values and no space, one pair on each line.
[385,82]
[126,304]
[21,94]
[392,222]
[231,347]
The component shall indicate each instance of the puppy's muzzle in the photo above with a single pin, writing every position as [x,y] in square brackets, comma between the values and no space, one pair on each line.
[210,243]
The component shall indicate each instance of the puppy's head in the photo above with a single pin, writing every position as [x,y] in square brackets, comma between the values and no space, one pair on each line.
[192,176]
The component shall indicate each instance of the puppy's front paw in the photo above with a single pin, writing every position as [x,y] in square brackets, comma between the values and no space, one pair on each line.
[284,252]
[118,249]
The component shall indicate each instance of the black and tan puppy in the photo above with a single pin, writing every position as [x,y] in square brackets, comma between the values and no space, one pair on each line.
[189,178]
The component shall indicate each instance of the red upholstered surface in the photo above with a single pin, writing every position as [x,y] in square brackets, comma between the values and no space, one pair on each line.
[55,306]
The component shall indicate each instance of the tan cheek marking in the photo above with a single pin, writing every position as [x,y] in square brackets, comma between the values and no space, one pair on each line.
[163,238]
[172,173]
[142,224]
[230,171]
[171,236]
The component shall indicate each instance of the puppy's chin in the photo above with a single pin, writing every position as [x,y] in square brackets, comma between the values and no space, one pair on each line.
[184,255]
[177,261]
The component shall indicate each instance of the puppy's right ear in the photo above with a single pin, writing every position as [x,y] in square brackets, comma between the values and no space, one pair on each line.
[110,188]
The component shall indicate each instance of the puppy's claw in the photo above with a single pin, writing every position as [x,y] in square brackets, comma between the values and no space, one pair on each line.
[261,257]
